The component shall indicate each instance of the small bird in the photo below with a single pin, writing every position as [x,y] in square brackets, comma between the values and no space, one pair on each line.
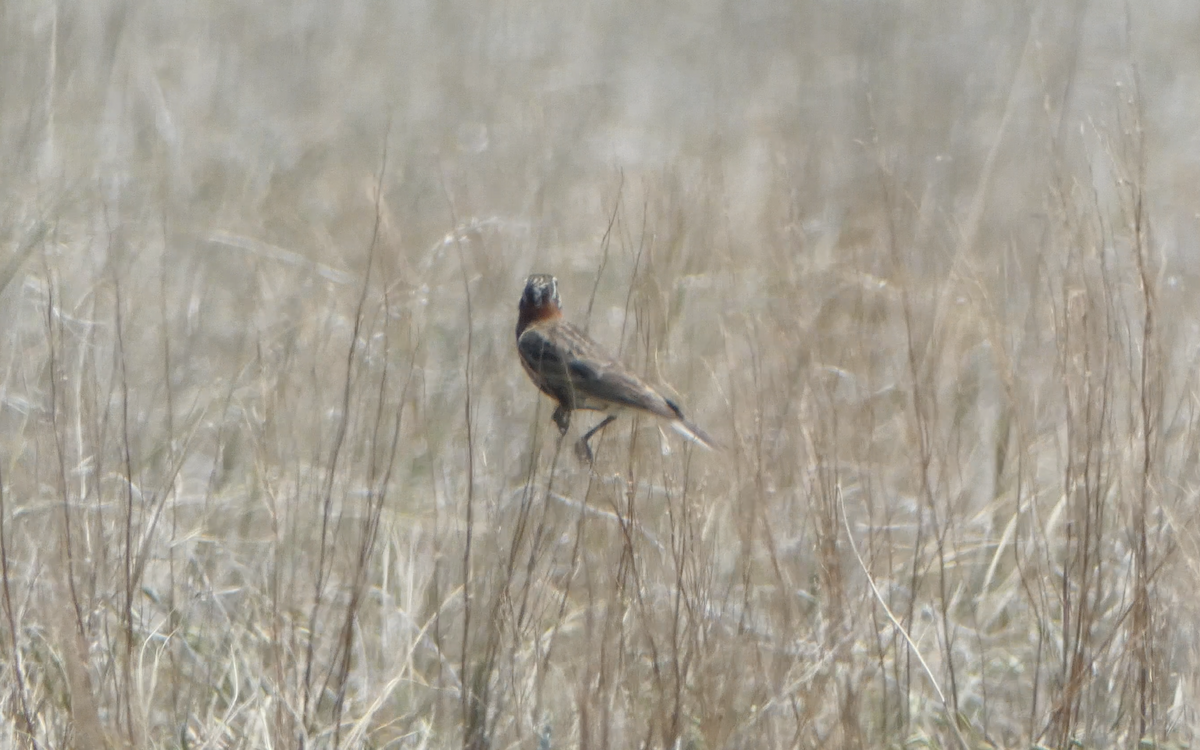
[571,368]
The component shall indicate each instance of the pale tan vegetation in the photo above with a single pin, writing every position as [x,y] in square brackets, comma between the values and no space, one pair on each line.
[271,474]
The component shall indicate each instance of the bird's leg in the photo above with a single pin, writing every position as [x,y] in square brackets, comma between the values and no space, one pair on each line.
[582,449]
[562,418]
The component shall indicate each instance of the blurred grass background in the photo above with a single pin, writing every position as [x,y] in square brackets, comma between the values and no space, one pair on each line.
[272,475]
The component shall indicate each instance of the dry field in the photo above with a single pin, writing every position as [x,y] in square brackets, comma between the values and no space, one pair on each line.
[271,475]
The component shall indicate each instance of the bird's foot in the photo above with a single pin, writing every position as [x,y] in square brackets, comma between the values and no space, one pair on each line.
[582,449]
[583,452]
[562,418]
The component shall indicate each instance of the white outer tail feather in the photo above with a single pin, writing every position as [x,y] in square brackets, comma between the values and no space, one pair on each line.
[692,433]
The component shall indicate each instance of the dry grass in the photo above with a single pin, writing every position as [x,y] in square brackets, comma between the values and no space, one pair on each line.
[271,475]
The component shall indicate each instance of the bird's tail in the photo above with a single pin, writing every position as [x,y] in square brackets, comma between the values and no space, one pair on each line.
[694,433]
[689,430]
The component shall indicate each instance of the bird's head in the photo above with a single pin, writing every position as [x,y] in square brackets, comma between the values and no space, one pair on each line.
[539,300]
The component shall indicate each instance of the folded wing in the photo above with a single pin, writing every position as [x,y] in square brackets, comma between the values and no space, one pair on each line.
[612,383]
[568,366]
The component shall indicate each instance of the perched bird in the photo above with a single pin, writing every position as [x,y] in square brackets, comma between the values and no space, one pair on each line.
[572,369]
